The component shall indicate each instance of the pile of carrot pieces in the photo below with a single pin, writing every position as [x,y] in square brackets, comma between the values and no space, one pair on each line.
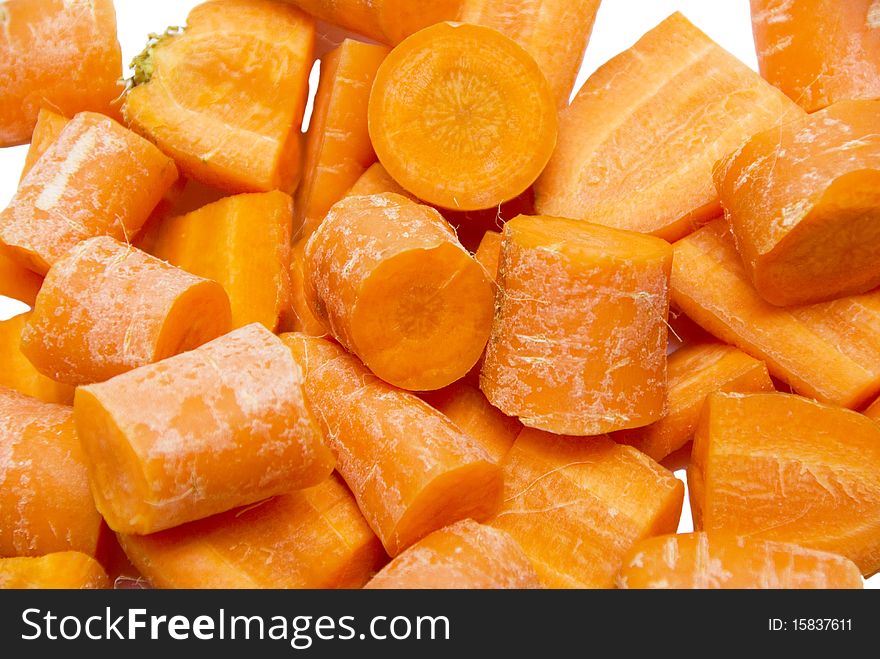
[458,334]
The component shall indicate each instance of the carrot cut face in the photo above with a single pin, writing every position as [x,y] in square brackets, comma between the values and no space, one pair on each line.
[58,54]
[578,505]
[394,286]
[107,307]
[239,133]
[785,468]
[465,555]
[489,253]
[237,400]
[410,468]
[578,344]
[819,52]
[377,180]
[96,179]
[703,561]
[19,374]
[45,503]
[462,117]
[67,570]
[694,372]
[803,201]
[828,351]
[47,129]
[312,538]
[610,168]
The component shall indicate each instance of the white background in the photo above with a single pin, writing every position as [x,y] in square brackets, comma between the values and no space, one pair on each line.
[620,24]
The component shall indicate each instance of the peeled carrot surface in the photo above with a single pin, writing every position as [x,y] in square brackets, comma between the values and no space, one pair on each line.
[299,317]
[65,570]
[17,282]
[19,374]
[377,180]
[47,129]
[489,253]
[873,410]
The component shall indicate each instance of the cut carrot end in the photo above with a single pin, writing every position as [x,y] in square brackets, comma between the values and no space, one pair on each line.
[67,570]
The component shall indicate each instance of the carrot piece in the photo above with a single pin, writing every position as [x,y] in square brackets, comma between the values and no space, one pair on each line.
[338,148]
[19,374]
[819,51]
[18,282]
[698,560]
[97,178]
[829,351]
[781,467]
[554,32]
[394,286]
[468,408]
[462,117]
[313,538]
[242,242]
[241,133]
[67,570]
[45,503]
[489,253]
[410,468]
[48,128]
[578,345]
[695,371]
[465,555]
[873,411]
[298,316]
[107,307]
[578,505]
[610,167]
[59,54]
[803,201]
[377,180]
[237,400]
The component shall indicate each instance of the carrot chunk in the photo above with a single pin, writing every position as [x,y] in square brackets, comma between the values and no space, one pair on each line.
[236,132]
[489,253]
[17,282]
[610,167]
[578,344]
[829,351]
[873,411]
[462,117]
[19,374]
[578,505]
[107,307]
[377,180]
[237,400]
[699,560]
[410,468]
[69,570]
[819,51]
[59,54]
[298,316]
[465,555]
[803,201]
[394,286]
[97,178]
[312,538]
[48,128]
[781,467]
[45,503]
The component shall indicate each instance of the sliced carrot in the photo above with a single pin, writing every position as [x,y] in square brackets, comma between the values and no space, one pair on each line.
[45,503]
[873,411]
[391,282]
[298,316]
[239,133]
[578,345]
[410,468]
[828,351]
[19,374]
[48,128]
[313,538]
[226,425]
[698,560]
[695,371]
[781,467]
[578,505]
[462,117]
[107,307]
[377,180]
[819,51]
[97,178]
[465,555]
[803,201]
[17,282]
[684,331]
[58,54]
[61,570]
[610,166]
[489,253]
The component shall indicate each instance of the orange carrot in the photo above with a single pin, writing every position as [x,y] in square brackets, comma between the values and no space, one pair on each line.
[18,282]
[410,468]
[578,505]
[239,133]
[873,411]
[803,201]
[489,253]
[611,168]
[19,374]
[377,180]
[48,128]
[97,178]
[237,400]
[828,351]
[394,286]
[58,54]
[578,345]
[462,117]
[61,570]
[107,307]
[298,316]
[465,555]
